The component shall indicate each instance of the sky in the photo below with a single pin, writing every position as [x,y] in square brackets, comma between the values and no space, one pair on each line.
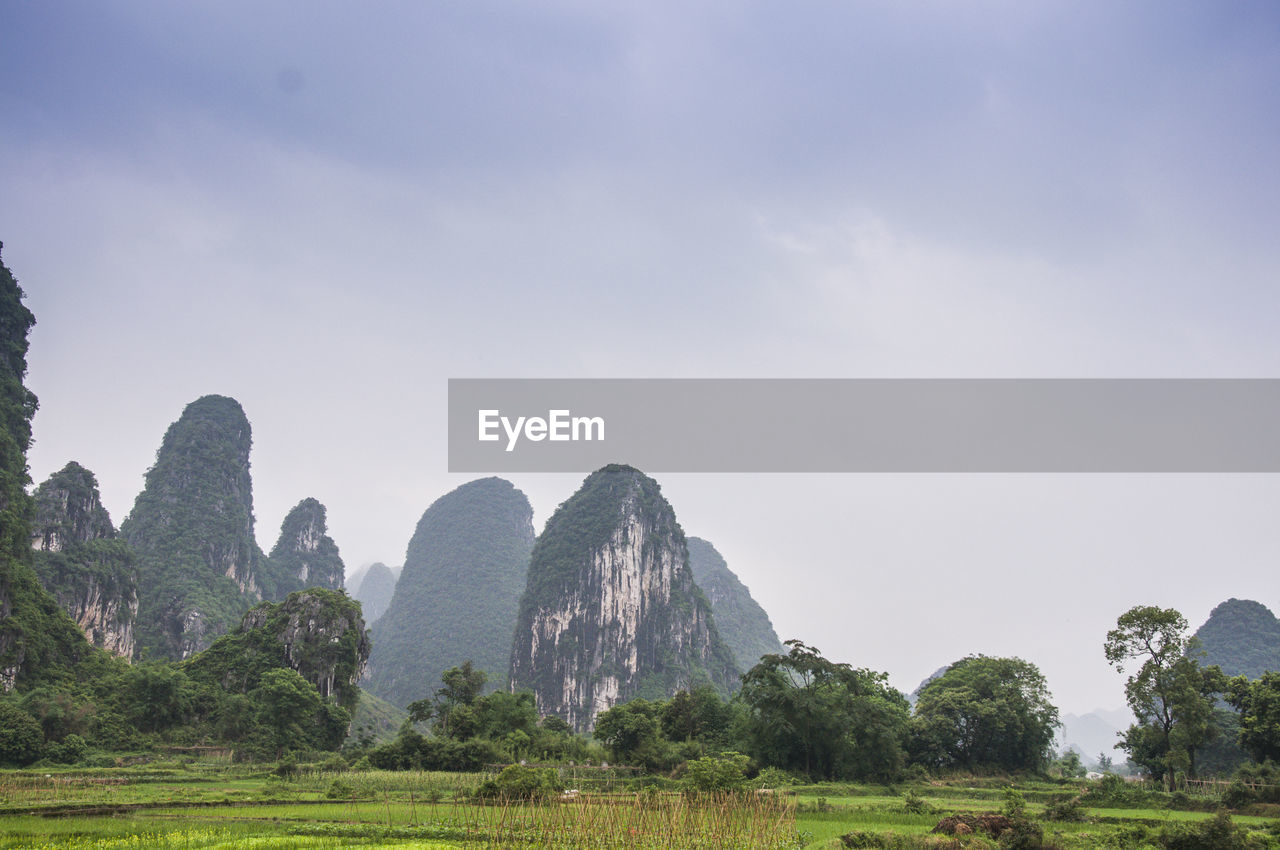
[326,210]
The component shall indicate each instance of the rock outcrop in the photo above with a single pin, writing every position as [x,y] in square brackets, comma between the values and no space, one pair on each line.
[192,529]
[38,641]
[317,632]
[92,574]
[611,611]
[377,586]
[1242,637]
[743,624]
[304,555]
[457,598]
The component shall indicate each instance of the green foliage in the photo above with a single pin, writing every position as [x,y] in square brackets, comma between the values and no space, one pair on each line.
[718,773]
[742,623]
[517,782]
[21,738]
[985,714]
[39,643]
[1169,694]
[320,633]
[810,715]
[1259,705]
[633,733]
[1218,833]
[192,529]
[459,592]
[1242,637]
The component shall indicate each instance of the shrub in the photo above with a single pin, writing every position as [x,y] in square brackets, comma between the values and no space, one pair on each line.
[1217,833]
[1064,809]
[67,751]
[21,737]
[286,768]
[339,790]
[725,772]
[517,782]
[915,804]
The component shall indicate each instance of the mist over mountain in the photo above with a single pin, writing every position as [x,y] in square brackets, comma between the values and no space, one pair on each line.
[457,597]
[377,584]
[743,624]
[611,611]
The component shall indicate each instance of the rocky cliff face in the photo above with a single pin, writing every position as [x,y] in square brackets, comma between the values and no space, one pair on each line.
[317,632]
[611,611]
[305,555]
[1242,637]
[79,560]
[457,597]
[192,529]
[743,624]
[376,587]
[38,641]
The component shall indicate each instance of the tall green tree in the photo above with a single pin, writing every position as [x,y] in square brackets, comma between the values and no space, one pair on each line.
[1259,705]
[827,720]
[1171,696]
[985,713]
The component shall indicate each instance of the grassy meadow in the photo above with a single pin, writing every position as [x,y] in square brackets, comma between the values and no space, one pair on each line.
[195,805]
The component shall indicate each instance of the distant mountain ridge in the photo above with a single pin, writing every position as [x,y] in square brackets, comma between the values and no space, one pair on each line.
[742,623]
[457,596]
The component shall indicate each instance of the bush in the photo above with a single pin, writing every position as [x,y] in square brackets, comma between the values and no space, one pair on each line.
[286,768]
[914,804]
[67,751]
[1064,809]
[517,782]
[21,738]
[1217,833]
[339,790]
[725,772]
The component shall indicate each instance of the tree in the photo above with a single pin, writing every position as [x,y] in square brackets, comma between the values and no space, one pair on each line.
[1170,694]
[288,706]
[828,720]
[1259,705]
[21,737]
[632,732]
[985,713]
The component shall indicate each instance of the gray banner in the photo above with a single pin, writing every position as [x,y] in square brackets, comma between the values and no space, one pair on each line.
[865,425]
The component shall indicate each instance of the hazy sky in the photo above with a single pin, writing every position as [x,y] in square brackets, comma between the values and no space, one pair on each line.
[326,210]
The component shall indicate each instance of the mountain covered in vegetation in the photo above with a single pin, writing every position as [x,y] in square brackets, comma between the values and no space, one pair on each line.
[39,642]
[318,633]
[78,558]
[304,555]
[1242,637]
[192,528]
[457,597]
[376,586]
[611,611]
[743,624]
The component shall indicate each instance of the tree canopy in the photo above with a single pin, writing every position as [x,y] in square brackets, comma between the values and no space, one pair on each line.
[984,713]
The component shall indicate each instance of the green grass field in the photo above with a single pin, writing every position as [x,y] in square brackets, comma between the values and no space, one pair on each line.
[197,806]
